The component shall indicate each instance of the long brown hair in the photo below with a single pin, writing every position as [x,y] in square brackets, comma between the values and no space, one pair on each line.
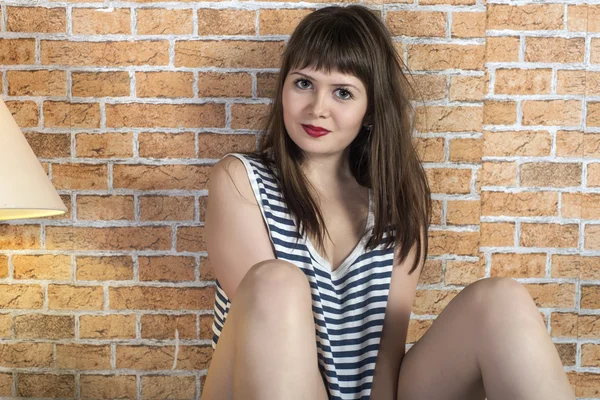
[353,40]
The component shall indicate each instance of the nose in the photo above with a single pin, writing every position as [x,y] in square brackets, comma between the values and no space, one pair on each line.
[319,103]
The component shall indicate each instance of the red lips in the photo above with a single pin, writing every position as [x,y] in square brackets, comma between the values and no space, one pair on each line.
[316,129]
[315,133]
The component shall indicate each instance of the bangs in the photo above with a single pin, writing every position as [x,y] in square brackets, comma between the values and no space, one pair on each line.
[331,43]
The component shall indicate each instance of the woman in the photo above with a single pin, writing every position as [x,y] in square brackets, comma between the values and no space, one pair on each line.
[301,316]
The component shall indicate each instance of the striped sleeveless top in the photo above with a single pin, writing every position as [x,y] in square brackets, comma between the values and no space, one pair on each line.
[348,304]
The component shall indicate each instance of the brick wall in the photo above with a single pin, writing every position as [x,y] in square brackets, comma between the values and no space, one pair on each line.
[128,104]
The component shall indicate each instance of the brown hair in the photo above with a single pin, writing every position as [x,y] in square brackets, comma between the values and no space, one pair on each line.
[353,40]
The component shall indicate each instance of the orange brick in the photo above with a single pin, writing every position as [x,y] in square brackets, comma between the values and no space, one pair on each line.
[416,23]
[525,17]
[280,21]
[26,355]
[167,145]
[248,116]
[225,84]
[17,51]
[518,265]
[157,21]
[265,84]
[161,357]
[520,143]
[206,322]
[162,387]
[164,326]
[571,82]
[21,296]
[167,268]
[554,49]
[105,208]
[36,19]
[82,356]
[520,82]
[165,115]
[72,115]
[523,204]
[101,21]
[39,326]
[161,177]
[466,150]
[463,212]
[577,17]
[215,145]
[68,297]
[5,326]
[464,272]
[240,53]
[104,268]
[108,386]
[45,266]
[24,112]
[572,266]
[19,237]
[3,267]
[190,238]
[226,22]
[498,173]
[113,53]
[100,84]
[449,118]
[161,298]
[445,56]
[497,234]
[551,174]
[46,385]
[462,88]
[104,145]
[49,145]
[114,238]
[553,295]
[166,208]
[80,176]
[453,242]
[430,149]
[551,112]
[502,49]
[593,114]
[37,83]
[549,235]
[449,180]
[115,326]
[499,112]
[207,272]
[592,239]
[468,24]
[6,379]
[164,84]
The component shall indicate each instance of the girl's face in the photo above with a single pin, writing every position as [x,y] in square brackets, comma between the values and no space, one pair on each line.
[336,102]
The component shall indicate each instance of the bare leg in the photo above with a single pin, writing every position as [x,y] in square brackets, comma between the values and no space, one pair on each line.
[267,348]
[489,340]
[520,361]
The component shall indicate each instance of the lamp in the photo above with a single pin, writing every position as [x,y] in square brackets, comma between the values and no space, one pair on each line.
[25,189]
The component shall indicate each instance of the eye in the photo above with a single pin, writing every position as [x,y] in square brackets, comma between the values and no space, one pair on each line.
[342,89]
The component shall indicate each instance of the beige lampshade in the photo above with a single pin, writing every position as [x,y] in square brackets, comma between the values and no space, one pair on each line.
[25,190]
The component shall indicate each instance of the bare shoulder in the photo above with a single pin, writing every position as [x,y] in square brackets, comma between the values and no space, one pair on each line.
[237,175]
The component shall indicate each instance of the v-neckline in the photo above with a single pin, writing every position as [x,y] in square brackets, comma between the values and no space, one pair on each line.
[358,249]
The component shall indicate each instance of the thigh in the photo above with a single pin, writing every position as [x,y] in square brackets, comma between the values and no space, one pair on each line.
[219,381]
[442,364]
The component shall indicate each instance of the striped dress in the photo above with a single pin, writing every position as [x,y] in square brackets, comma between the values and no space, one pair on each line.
[348,304]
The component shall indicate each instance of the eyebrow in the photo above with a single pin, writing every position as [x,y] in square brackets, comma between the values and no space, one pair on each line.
[333,84]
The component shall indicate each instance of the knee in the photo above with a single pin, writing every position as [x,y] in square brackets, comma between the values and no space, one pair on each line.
[273,285]
[500,299]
